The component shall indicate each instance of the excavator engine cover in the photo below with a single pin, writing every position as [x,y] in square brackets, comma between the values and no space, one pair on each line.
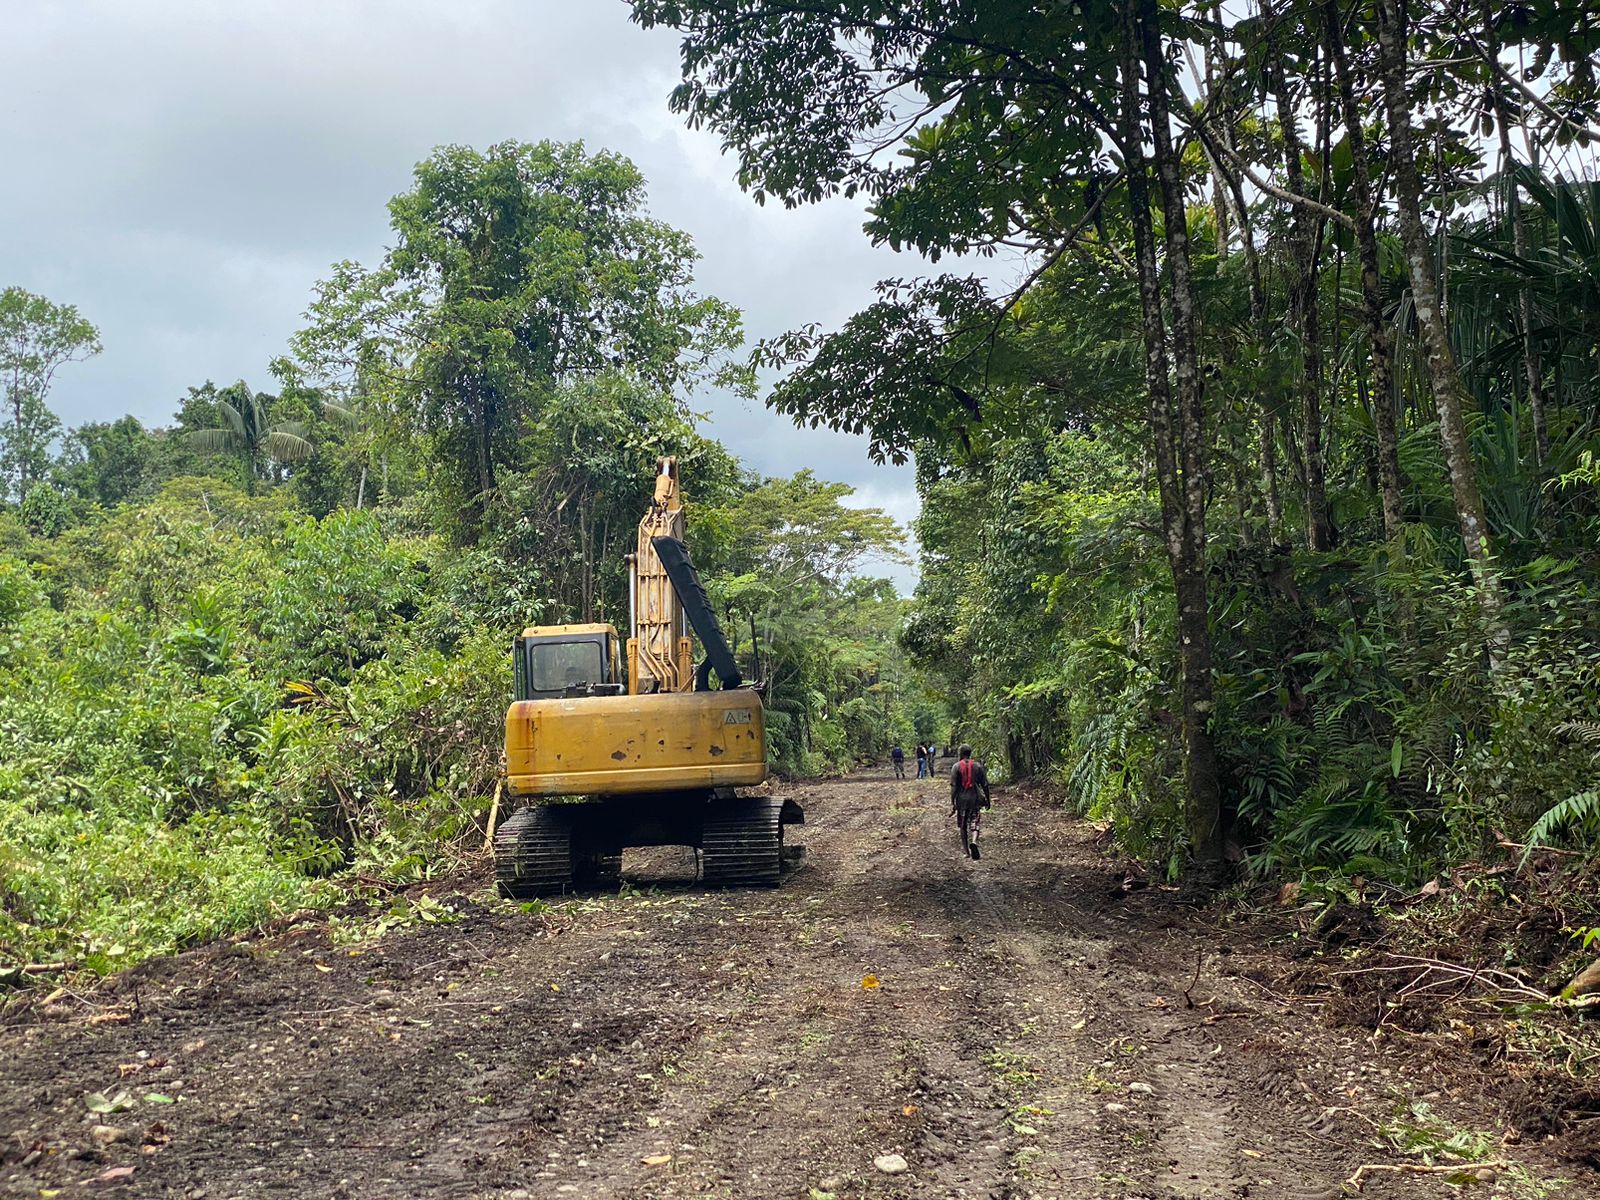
[624,745]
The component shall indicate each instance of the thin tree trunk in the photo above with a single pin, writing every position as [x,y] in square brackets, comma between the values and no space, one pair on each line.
[16,430]
[1203,816]
[361,487]
[1444,379]
[1532,367]
[1269,475]
[1378,333]
[1219,189]
[1304,294]
[1258,322]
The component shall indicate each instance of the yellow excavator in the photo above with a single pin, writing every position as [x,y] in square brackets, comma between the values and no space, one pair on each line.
[600,760]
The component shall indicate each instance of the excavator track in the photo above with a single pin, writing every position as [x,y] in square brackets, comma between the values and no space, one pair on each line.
[533,854]
[742,842]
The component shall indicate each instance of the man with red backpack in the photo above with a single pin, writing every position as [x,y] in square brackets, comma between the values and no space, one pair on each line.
[969,796]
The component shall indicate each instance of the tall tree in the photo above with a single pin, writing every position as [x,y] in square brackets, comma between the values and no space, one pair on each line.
[110,459]
[1366,229]
[513,269]
[1444,379]
[248,434]
[1002,113]
[37,337]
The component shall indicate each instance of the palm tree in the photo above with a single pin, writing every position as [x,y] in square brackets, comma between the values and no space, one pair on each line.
[246,434]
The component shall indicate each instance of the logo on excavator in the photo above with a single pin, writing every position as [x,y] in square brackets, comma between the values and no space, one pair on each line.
[736,716]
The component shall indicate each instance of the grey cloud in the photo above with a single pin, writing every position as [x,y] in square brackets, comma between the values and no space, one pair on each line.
[183,171]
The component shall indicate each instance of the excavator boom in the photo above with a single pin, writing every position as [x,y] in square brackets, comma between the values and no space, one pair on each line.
[660,655]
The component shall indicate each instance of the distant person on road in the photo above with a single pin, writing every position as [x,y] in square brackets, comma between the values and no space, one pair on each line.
[898,757]
[922,761]
[969,796]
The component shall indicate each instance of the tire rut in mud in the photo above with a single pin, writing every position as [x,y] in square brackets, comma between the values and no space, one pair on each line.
[1033,1031]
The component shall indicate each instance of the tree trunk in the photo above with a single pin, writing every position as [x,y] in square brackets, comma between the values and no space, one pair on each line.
[1203,816]
[361,487]
[1532,367]
[1444,379]
[1303,305]
[1269,475]
[1378,334]
[16,438]
[1258,323]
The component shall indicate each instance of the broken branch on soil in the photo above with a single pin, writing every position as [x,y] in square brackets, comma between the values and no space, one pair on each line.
[1527,849]
[1188,1000]
[1366,1169]
[1502,983]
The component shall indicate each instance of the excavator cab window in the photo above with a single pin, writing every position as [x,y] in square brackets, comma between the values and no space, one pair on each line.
[562,666]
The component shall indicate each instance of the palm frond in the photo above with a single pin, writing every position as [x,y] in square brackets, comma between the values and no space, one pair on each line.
[233,419]
[288,443]
[1579,813]
[342,414]
[217,441]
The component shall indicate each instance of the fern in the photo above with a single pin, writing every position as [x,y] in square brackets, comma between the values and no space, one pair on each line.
[1587,732]
[1580,812]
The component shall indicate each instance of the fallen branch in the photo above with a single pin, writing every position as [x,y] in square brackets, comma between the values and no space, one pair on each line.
[24,971]
[1366,1169]
[1501,982]
[1527,849]
[494,814]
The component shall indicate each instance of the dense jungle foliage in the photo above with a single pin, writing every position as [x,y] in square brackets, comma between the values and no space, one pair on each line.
[1262,505]
[270,643]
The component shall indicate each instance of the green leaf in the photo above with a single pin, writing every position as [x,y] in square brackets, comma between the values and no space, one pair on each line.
[99,1102]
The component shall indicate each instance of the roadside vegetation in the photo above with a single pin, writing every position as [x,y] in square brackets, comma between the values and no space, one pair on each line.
[264,652]
[1260,500]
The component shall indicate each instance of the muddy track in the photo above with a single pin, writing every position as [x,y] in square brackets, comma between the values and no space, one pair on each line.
[1034,1032]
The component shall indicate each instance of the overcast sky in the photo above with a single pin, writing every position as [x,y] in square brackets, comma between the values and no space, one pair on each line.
[183,170]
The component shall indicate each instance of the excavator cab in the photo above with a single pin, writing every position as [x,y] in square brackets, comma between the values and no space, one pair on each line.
[553,661]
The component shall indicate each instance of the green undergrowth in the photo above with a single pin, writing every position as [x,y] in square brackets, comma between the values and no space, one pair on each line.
[210,704]
[216,709]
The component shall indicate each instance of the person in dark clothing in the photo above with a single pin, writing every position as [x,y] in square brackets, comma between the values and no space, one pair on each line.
[922,761]
[969,796]
[898,757]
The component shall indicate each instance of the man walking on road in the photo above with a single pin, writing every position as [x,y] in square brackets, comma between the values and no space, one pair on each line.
[969,796]
[922,760]
[898,757]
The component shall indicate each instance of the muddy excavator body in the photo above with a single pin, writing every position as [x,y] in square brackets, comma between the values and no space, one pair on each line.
[600,759]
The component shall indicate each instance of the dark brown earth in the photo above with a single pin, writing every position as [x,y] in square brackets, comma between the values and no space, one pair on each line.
[1036,1030]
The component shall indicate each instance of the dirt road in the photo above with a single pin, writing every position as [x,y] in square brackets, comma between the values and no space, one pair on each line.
[1033,1031]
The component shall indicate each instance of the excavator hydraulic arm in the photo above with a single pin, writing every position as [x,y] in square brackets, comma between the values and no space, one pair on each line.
[660,654]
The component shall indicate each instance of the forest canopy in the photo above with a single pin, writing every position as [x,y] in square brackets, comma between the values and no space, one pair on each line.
[1262,510]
